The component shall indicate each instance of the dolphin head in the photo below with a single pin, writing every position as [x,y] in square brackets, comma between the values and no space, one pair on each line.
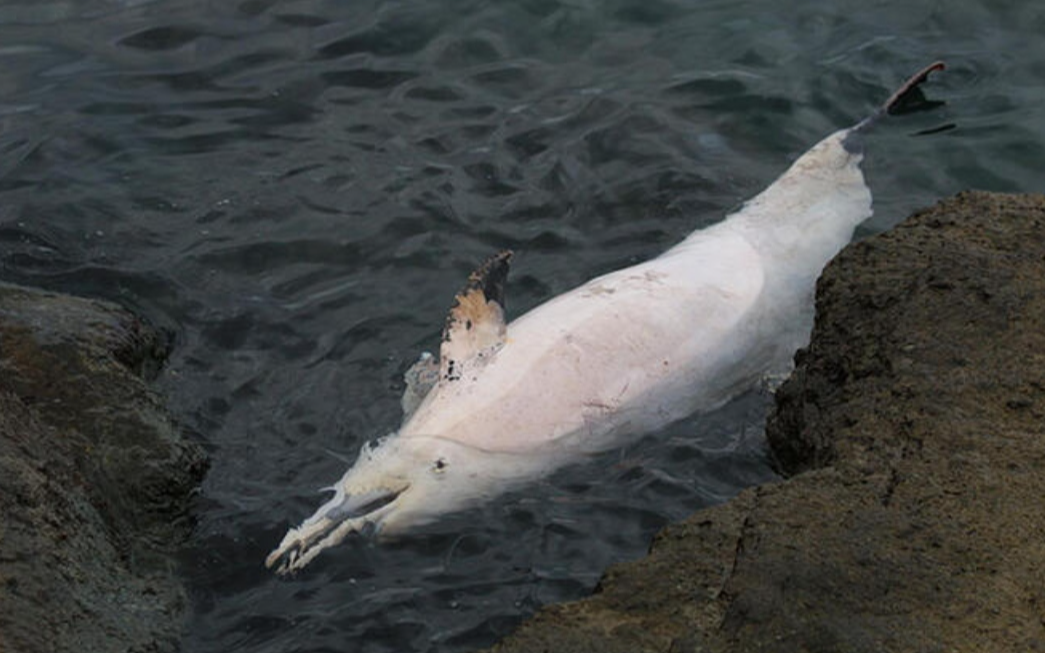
[396,484]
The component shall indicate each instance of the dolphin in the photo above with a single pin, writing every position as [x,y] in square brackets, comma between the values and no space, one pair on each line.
[615,358]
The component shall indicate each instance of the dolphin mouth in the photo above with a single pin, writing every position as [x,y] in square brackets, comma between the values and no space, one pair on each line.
[330,525]
[356,506]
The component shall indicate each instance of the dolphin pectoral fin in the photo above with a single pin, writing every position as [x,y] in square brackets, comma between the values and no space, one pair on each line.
[420,379]
[475,326]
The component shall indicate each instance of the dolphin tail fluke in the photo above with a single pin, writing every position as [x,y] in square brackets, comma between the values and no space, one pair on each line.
[907,96]
[910,92]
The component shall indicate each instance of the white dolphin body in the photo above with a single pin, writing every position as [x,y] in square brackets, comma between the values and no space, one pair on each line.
[615,358]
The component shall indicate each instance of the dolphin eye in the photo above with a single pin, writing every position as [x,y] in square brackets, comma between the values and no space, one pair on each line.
[440,465]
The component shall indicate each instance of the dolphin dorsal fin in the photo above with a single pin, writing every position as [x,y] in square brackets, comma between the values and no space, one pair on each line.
[475,326]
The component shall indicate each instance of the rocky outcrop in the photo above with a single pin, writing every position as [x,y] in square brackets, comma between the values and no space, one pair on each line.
[913,435]
[94,480]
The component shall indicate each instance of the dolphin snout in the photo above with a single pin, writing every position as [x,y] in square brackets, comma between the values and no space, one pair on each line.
[345,513]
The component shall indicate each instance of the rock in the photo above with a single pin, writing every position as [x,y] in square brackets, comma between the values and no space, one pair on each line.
[95,480]
[913,432]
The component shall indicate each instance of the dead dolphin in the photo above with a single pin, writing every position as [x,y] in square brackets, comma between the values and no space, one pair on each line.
[621,355]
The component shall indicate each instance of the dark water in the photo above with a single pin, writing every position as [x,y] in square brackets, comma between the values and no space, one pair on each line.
[296,189]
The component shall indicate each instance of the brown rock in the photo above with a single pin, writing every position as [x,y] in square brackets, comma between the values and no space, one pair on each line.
[94,480]
[914,428]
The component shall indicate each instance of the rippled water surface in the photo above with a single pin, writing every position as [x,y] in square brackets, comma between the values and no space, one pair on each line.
[296,189]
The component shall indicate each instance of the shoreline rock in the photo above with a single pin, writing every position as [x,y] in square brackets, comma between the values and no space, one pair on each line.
[95,480]
[913,435]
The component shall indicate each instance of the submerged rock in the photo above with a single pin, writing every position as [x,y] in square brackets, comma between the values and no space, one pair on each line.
[913,432]
[95,480]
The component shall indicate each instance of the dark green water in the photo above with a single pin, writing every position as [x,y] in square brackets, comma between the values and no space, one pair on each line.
[296,189]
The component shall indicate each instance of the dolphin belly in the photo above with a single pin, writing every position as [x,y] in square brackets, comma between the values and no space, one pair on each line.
[631,350]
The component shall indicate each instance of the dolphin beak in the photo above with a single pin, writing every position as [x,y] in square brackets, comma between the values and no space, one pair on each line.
[332,523]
